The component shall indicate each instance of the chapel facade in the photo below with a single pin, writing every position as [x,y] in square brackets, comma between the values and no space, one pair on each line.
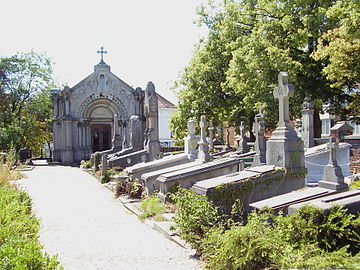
[84,115]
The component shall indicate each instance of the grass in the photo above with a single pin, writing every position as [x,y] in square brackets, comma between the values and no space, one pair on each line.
[7,174]
[151,207]
[19,245]
[355,185]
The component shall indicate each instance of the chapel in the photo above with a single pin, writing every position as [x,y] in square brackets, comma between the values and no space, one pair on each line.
[84,114]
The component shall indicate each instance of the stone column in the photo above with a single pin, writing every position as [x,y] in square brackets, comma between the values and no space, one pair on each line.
[153,120]
[103,164]
[191,141]
[333,177]
[116,141]
[211,135]
[260,144]
[284,148]
[203,154]
[307,113]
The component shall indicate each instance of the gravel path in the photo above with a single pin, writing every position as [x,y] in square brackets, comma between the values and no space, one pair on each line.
[88,229]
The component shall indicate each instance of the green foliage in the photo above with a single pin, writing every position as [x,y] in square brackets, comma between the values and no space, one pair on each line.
[136,189]
[105,178]
[25,101]
[19,245]
[151,206]
[195,216]
[310,239]
[355,185]
[8,173]
[234,70]
[86,164]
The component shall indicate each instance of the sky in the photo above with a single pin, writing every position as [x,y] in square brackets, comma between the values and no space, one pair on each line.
[145,40]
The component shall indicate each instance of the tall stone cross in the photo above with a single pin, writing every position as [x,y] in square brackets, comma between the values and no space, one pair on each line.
[283,92]
[102,52]
[203,126]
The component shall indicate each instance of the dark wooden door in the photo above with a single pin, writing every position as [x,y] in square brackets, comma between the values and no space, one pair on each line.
[101,137]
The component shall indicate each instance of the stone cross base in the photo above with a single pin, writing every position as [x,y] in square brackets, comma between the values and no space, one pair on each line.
[333,178]
[258,160]
[203,154]
[285,149]
[191,143]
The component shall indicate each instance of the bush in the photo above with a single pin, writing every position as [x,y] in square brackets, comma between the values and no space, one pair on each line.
[105,178]
[194,218]
[86,164]
[311,239]
[151,206]
[19,245]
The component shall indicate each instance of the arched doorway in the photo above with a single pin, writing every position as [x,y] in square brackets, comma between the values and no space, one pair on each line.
[100,137]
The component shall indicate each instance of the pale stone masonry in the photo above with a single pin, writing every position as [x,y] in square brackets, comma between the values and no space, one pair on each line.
[95,115]
[284,148]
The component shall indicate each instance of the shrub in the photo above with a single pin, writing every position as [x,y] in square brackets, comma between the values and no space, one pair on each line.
[19,246]
[86,164]
[8,174]
[310,239]
[151,206]
[194,218]
[105,178]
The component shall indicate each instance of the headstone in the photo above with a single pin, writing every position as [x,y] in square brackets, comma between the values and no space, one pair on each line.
[191,141]
[103,164]
[307,133]
[152,122]
[241,140]
[260,144]
[227,141]
[211,135]
[135,127]
[116,141]
[332,176]
[203,154]
[284,148]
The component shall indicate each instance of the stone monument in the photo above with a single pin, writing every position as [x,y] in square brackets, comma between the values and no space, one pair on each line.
[284,148]
[203,154]
[332,176]
[307,131]
[260,143]
[152,143]
[241,140]
[227,140]
[191,141]
[211,135]
[116,141]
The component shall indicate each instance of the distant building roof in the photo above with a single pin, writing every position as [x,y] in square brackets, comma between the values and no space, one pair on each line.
[163,102]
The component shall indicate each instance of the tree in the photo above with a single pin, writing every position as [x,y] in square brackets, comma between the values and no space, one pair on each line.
[233,71]
[340,47]
[25,101]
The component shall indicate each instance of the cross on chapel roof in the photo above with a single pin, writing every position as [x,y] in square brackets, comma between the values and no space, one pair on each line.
[102,52]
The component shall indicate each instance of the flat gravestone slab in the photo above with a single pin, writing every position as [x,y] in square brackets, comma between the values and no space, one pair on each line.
[156,173]
[195,170]
[217,181]
[291,198]
[349,199]
[261,169]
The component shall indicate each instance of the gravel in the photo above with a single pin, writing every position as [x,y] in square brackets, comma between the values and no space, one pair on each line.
[88,228]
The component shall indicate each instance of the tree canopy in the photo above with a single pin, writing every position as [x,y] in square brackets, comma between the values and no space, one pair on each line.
[25,102]
[234,70]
